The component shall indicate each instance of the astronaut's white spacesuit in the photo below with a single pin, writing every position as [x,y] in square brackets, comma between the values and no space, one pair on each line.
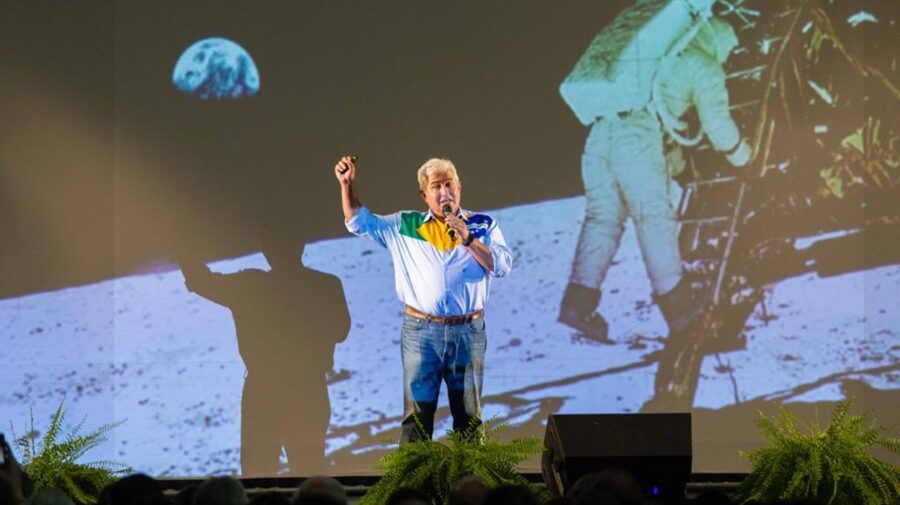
[625,174]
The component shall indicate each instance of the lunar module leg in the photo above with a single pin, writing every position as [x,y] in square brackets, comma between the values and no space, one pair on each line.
[708,213]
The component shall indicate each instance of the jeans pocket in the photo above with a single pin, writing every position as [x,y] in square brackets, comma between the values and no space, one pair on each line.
[477,325]
[413,323]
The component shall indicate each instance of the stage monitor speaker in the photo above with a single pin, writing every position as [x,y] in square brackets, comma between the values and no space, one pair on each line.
[655,448]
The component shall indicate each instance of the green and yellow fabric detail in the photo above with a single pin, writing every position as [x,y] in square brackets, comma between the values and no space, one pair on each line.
[413,225]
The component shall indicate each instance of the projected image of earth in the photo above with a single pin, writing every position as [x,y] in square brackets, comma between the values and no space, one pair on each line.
[216,68]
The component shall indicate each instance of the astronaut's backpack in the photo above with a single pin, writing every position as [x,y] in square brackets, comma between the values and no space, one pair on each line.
[616,72]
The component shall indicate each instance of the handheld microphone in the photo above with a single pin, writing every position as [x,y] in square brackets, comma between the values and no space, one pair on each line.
[447,210]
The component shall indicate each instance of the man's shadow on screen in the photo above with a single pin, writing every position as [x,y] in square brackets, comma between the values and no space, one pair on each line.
[288,321]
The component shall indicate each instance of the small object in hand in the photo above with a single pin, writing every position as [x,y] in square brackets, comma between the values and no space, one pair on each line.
[353,159]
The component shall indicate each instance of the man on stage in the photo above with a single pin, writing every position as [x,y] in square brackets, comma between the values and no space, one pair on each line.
[444,261]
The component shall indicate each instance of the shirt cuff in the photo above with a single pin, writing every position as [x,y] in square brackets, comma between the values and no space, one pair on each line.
[501,267]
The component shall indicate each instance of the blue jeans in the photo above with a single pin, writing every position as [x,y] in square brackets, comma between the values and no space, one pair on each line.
[432,352]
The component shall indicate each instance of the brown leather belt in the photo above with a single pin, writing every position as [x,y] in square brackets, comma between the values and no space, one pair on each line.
[468,318]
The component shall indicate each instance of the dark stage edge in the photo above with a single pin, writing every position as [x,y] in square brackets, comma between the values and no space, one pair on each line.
[357,485]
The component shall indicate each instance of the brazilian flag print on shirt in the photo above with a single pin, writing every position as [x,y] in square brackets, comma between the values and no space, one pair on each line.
[432,273]
[424,226]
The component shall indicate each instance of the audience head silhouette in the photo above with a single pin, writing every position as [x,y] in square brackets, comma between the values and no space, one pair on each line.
[137,489]
[50,496]
[608,486]
[320,490]
[220,491]
[469,490]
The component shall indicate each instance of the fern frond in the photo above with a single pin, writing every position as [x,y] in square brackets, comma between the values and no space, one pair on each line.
[56,421]
[55,464]
[76,429]
[433,466]
[832,464]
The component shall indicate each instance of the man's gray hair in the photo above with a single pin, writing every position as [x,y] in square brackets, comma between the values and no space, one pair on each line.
[436,166]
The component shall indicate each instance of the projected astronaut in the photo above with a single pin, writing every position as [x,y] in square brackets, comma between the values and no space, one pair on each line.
[625,174]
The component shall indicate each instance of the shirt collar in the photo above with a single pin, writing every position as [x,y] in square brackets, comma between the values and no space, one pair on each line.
[462,212]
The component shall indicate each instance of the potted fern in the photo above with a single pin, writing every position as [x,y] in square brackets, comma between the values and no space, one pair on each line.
[833,465]
[54,463]
[434,466]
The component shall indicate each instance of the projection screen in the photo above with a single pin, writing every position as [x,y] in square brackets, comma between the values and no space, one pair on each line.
[159,159]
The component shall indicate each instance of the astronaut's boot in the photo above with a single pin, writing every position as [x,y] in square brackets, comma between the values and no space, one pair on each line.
[686,309]
[577,310]
[683,305]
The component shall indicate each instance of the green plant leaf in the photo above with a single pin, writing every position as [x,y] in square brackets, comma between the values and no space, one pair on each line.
[833,465]
[55,464]
[433,466]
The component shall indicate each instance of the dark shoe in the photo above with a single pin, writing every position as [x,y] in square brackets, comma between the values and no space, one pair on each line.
[593,326]
[683,304]
[577,311]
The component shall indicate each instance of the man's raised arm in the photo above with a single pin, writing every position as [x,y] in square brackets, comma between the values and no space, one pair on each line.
[345,171]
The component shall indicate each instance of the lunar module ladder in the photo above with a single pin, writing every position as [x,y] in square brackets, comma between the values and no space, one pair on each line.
[711,210]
